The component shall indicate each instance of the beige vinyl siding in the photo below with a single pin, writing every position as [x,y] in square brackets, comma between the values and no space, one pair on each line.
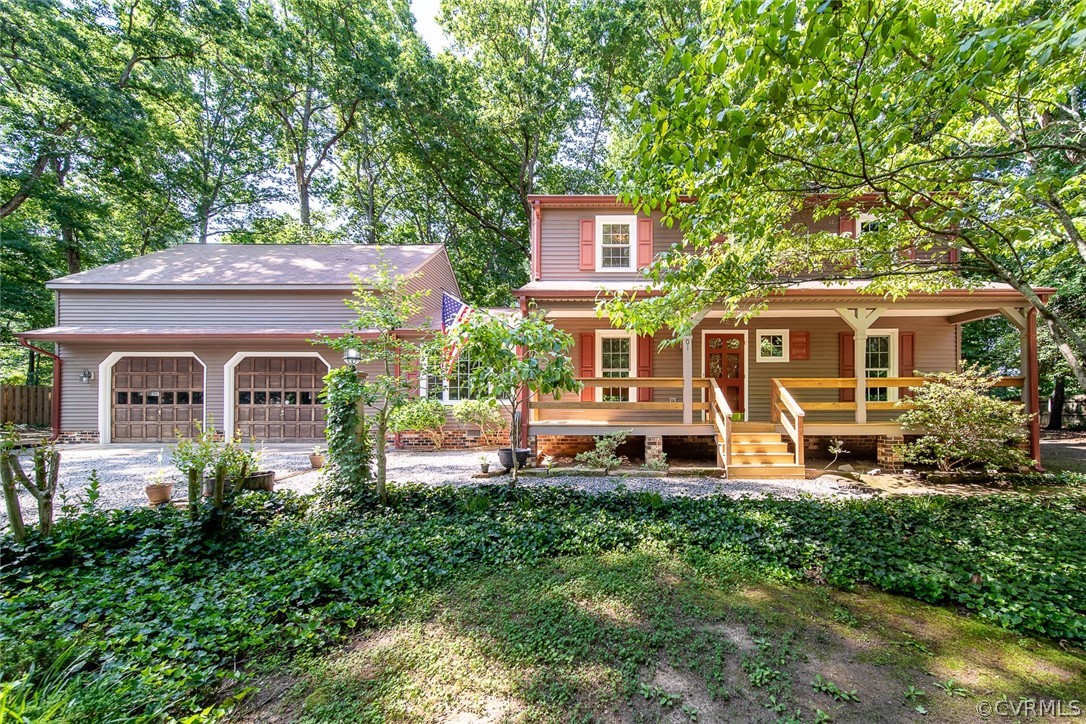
[436,274]
[213,308]
[561,251]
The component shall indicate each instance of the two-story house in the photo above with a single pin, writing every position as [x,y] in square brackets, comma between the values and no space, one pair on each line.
[821,362]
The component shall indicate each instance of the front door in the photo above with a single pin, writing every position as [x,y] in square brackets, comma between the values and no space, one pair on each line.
[725,361]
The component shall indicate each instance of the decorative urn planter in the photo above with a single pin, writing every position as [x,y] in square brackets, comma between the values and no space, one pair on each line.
[158,493]
[505,457]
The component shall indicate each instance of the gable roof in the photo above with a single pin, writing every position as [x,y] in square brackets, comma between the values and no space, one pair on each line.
[252,266]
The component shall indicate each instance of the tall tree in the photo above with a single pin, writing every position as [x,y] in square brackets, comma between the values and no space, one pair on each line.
[965,123]
[324,61]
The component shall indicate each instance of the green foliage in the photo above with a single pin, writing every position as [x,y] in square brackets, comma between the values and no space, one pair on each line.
[962,125]
[658,465]
[347,472]
[962,424]
[421,415]
[826,686]
[603,456]
[498,369]
[482,412]
[150,601]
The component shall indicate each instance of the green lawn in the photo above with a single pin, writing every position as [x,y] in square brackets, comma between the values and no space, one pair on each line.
[642,636]
[550,605]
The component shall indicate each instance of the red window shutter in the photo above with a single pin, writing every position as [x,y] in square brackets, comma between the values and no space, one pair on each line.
[799,344]
[906,354]
[644,365]
[644,242]
[588,364]
[846,225]
[847,348]
[588,244]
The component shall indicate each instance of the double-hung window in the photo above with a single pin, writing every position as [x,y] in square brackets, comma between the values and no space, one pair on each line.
[878,363]
[615,358]
[616,243]
[452,387]
[772,345]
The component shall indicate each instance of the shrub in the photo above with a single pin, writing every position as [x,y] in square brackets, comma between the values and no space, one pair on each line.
[603,455]
[962,424]
[347,474]
[484,413]
[421,415]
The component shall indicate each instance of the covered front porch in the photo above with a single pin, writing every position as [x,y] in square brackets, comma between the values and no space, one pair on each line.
[762,414]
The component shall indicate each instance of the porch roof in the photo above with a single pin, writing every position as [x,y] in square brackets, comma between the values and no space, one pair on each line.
[849,291]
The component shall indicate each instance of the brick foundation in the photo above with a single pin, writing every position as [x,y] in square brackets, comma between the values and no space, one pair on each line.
[74,437]
[457,437]
[860,446]
[889,458]
[654,448]
[562,446]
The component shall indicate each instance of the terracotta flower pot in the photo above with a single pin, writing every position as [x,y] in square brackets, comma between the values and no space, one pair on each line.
[159,493]
[317,461]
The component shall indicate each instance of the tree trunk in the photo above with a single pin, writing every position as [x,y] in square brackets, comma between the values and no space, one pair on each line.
[31,368]
[11,498]
[303,194]
[1055,405]
[379,449]
[194,494]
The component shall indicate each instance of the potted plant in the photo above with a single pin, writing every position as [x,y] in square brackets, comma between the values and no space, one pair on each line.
[316,458]
[484,463]
[542,367]
[159,490]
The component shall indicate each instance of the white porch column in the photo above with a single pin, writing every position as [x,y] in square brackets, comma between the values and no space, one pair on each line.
[860,320]
[688,379]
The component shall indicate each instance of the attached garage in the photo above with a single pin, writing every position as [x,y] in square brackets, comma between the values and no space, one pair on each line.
[156,399]
[276,398]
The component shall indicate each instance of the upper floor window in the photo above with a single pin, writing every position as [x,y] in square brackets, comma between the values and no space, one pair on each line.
[868,224]
[616,243]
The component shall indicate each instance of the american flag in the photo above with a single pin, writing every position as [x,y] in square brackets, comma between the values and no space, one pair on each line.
[453,311]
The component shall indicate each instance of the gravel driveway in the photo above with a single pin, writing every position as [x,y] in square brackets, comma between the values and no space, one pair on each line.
[123,469]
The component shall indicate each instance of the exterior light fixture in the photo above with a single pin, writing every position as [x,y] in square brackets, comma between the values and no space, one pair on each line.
[352,357]
[86,376]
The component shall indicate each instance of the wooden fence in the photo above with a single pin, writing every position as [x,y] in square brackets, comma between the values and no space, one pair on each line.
[26,404]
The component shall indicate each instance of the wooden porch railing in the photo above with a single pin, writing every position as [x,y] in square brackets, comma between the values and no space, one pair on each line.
[780,402]
[720,414]
[674,383]
[849,383]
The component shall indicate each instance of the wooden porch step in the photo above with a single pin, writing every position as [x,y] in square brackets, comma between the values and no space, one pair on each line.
[742,438]
[759,446]
[753,427]
[750,458]
[783,471]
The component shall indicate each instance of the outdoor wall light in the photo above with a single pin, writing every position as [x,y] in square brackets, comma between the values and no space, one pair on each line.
[86,376]
[352,357]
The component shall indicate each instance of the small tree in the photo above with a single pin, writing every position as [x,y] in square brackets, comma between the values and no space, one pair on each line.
[516,359]
[425,416]
[485,413]
[961,423]
[390,333]
[46,462]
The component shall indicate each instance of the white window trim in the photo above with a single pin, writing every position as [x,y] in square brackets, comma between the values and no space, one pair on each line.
[891,392]
[424,388]
[785,351]
[602,334]
[861,220]
[622,219]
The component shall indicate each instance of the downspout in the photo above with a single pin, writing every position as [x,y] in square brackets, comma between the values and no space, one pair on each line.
[58,368]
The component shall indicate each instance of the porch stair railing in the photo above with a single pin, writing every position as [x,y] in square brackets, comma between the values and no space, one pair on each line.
[786,412]
[720,413]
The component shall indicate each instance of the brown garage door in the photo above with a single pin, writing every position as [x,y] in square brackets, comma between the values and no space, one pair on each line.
[156,398]
[277,398]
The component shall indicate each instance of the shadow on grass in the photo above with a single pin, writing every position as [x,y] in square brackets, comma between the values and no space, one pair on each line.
[644,635]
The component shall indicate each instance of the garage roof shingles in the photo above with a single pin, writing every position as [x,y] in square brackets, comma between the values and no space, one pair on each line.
[256,265]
